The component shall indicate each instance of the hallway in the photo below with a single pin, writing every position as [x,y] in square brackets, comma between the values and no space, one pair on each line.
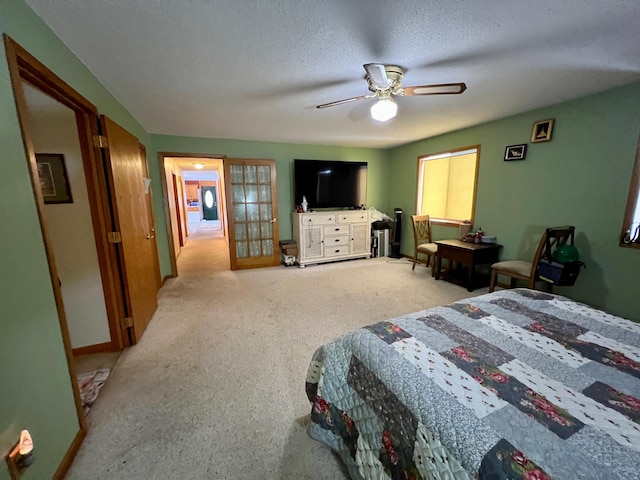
[206,251]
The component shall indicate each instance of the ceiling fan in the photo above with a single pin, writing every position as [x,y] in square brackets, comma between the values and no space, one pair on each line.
[385,81]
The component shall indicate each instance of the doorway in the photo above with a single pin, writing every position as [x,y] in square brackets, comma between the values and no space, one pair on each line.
[248,205]
[53,130]
[75,188]
[193,188]
[67,216]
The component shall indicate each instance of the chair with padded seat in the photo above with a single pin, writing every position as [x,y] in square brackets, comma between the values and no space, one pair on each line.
[527,271]
[422,241]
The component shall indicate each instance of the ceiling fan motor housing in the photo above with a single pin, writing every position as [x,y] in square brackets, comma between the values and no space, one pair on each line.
[394,77]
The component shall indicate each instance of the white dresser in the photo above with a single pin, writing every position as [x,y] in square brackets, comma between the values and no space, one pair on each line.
[332,235]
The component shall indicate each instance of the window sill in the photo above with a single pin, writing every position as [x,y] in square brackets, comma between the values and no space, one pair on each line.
[447,223]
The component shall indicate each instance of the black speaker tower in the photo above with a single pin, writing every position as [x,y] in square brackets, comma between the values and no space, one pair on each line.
[397,234]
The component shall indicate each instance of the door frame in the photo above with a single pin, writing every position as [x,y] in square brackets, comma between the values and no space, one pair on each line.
[25,67]
[165,200]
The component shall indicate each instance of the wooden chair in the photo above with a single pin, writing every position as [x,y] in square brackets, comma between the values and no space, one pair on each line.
[422,241]
[521,270]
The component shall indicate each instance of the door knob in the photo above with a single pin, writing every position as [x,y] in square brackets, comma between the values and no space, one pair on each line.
[273,220]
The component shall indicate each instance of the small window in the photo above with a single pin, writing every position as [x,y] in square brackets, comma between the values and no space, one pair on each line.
[447,185]
[631,227]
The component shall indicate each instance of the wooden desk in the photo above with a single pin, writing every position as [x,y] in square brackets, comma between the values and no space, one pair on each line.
[471,254]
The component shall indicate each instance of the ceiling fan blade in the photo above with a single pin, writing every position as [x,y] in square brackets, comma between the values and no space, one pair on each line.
[435,89]
[377,74]
[346,100]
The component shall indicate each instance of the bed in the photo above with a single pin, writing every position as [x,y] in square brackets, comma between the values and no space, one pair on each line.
[515,384]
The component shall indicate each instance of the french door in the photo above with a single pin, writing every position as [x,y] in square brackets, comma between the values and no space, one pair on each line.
[252,206]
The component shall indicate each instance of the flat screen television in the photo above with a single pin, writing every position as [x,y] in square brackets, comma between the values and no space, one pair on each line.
[330,183]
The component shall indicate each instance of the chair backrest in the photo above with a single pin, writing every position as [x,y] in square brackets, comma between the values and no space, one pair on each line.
[421,229]
[551,239]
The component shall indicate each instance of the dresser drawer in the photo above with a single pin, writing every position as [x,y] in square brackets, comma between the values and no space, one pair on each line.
[331,240]
[353,217]
[318,218]
[336,229]
[335,250]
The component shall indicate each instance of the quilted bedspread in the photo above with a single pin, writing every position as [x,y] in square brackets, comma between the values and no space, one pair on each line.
[515,384]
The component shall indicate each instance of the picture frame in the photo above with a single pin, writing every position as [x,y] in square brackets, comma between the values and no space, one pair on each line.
[54,182]
[515,152]
[541,131]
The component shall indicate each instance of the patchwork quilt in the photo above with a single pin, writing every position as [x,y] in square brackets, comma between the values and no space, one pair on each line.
[515,384]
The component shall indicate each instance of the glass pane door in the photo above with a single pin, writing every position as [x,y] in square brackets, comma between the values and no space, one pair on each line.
[251,188]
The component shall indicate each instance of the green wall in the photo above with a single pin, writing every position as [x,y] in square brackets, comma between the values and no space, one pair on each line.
[581,177]
[283,154]
[35,386]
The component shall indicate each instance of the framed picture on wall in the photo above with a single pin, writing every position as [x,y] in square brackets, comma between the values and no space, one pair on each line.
[515,152]
[542,131]
[52,174]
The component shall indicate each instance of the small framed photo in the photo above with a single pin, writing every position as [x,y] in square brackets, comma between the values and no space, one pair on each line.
[515,152]
[54,182]
[542,131]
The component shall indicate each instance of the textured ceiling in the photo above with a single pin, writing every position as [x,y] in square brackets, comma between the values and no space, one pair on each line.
[254,69]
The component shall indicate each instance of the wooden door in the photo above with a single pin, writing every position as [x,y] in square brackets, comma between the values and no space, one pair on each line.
[178,201]
[182,209]
[130,216]
[152,220]
[252,211]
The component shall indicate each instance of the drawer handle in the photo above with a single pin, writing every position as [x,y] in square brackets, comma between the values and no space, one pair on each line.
[337,251]
[337,229]
[337,240]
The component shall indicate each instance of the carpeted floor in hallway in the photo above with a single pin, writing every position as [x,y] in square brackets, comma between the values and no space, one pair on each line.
[215,387]
[206,251]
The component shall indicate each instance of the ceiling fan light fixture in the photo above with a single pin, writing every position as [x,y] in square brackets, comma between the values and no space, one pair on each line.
[384,109]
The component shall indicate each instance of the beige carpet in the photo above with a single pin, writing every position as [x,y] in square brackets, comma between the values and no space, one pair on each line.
[215,388]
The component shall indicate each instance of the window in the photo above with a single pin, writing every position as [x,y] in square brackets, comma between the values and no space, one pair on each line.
[447,185]
[631,227]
